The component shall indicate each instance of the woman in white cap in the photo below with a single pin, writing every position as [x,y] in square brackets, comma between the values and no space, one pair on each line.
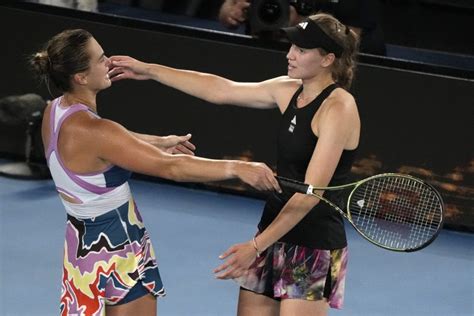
[296,263]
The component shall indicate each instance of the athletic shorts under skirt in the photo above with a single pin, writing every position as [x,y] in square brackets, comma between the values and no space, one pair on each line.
[106,258]
[286,271]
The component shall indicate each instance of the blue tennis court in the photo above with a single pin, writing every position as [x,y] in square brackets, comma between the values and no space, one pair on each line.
[190,228]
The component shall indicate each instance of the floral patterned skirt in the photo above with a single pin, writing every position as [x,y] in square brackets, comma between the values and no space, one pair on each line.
[286,271]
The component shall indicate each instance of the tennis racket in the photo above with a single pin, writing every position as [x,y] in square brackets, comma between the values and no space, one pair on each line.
[394,211]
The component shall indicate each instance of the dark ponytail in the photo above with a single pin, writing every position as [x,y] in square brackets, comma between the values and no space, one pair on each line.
[63,56]
[40,63]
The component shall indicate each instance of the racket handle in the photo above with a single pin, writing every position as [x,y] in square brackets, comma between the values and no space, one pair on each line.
[294,185]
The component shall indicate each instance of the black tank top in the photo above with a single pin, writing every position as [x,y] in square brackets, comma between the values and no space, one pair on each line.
[322,227]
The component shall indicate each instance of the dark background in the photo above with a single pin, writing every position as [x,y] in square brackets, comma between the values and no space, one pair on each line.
[415,119]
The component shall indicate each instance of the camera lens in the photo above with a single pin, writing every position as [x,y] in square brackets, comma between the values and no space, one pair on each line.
[270,11]
[266,17]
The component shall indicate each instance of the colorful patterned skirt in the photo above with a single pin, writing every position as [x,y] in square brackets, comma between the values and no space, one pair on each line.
[106,258]
[286,271]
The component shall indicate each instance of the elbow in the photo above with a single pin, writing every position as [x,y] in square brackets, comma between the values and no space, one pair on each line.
[302,204]
[176,174]
[174,169]
[217,97]
[221,92]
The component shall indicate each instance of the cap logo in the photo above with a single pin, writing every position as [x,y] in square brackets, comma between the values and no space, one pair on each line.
[303,25]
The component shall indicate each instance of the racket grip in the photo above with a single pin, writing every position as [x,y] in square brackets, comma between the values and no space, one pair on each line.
[293,185]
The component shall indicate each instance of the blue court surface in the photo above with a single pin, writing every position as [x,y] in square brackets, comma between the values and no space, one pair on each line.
[190,228]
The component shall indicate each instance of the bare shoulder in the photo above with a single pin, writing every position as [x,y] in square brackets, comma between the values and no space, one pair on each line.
[339,102]
[45,124]
[48,107]
[342,96]
[339,109]
[84,126]
[46,112]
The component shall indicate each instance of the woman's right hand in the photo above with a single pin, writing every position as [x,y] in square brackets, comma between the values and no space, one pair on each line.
[126,67]
[258,175]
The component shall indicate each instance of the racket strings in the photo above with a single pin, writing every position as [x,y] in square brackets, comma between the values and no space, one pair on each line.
[396,212]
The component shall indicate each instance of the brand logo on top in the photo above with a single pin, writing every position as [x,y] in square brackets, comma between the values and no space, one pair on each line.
[292,125]
[303,25]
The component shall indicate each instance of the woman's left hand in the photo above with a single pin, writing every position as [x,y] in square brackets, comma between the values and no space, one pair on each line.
[241,257]
[126,67]
[178,144]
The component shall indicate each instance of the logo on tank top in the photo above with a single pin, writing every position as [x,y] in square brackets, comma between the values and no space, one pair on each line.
[292,125]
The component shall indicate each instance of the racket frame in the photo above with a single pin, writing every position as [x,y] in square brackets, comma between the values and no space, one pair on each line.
[312,190]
